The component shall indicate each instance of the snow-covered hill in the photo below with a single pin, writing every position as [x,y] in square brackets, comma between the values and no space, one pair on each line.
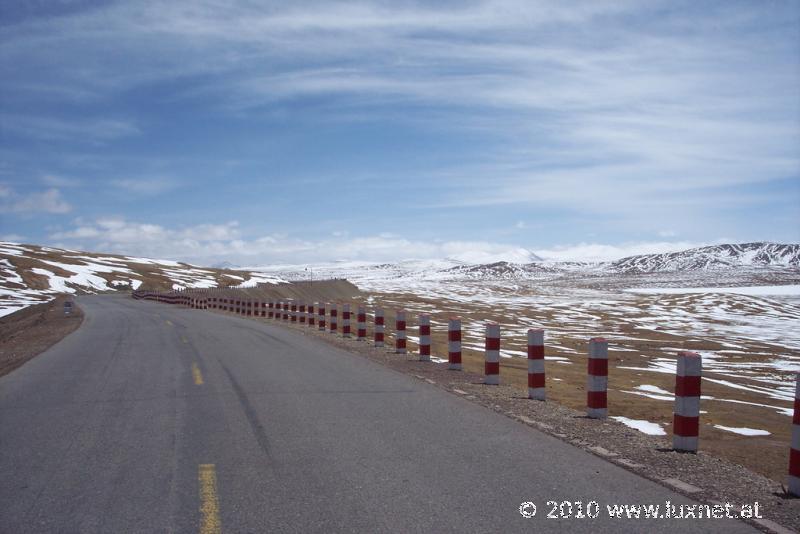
[31,274]
[737,264]
[717,257]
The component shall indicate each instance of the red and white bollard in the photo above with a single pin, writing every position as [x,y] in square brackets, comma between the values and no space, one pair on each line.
[794,452]
[597,381]
[285,310]
[311,314]
[536,364]
[321,315]
[379,325]
[424,337]
[302,314]
[294,311]
[492,364]
[400,332]
[454,343]
[361,323]
[334,319]
[686,417]
[346,320]
[271,310]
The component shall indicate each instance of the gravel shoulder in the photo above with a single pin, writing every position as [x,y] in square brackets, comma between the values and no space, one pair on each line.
[29,332]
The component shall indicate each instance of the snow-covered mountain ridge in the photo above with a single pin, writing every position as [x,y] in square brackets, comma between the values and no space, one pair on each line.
[717,257]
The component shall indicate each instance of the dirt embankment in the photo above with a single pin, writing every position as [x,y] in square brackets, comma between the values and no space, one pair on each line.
[322,290]
[33,330]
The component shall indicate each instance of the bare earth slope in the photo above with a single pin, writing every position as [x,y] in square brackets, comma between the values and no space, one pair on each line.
[30,331]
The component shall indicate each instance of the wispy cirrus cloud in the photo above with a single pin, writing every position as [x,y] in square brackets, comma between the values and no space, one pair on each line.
[145,186]
[74,130]
[637,115]
[47,201]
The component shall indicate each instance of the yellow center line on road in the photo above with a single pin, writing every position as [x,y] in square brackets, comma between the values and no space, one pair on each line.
[169,322]
[209,504]
[198,376]
[183,338]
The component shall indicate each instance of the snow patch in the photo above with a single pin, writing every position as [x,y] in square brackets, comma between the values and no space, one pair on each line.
[785,290]
[744,431]
[646,427]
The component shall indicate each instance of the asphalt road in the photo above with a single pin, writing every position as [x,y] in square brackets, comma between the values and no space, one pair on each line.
[152,418]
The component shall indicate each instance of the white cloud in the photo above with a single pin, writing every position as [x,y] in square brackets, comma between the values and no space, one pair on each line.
[55,180]
[213,243]
[145,186]
[47,201]
[604,252]
[12,238]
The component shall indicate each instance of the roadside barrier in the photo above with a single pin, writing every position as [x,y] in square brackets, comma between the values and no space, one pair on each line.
[686,416]
[686,412]
[794,451]
[346,320]
[454,343]
[378,337]
[334,318]
[321,317]
[536,379]
[597,381]
[361,323]
[492,355]
[400,332]
[424,337]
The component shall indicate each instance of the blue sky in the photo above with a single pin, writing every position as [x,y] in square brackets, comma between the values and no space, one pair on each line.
[314,131]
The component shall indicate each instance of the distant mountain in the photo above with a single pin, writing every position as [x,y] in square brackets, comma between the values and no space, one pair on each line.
[502,270]
[713,258]
[226,265]
[31,274]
